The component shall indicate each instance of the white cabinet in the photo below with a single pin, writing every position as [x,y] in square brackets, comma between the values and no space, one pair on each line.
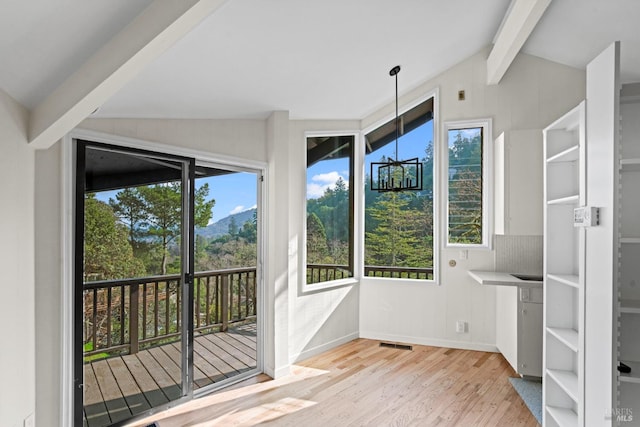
[519,327]
[518,158]
[530,334]
[563,319]
[628,318]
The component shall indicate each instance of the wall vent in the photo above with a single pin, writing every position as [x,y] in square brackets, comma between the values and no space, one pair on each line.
[398,346]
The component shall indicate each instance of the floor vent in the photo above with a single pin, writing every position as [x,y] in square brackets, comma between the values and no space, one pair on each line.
[398,346]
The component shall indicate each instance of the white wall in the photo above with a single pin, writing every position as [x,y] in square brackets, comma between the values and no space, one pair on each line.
[241,139]
[17,356]
[48,255]
[323,319]
[532,94]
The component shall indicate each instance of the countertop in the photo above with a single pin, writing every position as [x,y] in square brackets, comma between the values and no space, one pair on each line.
[502,279]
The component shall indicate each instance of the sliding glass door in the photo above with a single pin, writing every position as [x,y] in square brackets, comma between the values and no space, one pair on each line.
[166,280]
[134,277]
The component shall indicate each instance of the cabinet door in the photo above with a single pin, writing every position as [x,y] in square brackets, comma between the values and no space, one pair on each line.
[530,340]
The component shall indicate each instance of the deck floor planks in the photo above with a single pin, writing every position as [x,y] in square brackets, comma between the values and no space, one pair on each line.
[95,411]
[215,357]
[133,395]
[152,377]
[245,334]
[160,376]
[169,365]
[113,398]
[154,395]
[233,346]
[236,360]
[174,352]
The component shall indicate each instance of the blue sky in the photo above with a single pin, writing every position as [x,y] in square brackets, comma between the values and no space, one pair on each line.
[324,174]
[233,193]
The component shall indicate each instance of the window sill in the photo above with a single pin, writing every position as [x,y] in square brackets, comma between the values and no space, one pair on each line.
[401,280]
[323,286]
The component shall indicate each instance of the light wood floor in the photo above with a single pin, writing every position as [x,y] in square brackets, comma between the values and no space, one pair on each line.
[363,384]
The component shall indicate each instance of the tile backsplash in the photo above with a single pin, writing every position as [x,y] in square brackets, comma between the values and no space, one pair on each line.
[518,254]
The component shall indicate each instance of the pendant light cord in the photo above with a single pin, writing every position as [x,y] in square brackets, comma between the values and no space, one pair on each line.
[397,122]
[394,72]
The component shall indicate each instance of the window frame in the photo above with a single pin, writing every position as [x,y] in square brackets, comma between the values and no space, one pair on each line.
[487,181]
[361,153]
[305,287]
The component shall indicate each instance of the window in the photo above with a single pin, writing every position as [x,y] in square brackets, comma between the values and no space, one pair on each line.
[467,169]
[399,237]
[329,208]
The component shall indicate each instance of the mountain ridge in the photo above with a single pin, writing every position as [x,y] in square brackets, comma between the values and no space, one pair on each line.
[221,227]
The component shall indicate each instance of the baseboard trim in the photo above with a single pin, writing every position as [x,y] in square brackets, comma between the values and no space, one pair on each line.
[324,347]
[435,342]
[282,371]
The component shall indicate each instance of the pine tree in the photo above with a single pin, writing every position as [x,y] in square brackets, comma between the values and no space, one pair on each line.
[107,252]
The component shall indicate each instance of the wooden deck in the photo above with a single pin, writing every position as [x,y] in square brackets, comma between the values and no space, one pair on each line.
[120,387]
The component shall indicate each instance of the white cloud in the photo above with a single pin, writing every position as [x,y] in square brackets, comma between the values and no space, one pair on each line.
[241,208]
[237,209]
[319,183]
[326,178]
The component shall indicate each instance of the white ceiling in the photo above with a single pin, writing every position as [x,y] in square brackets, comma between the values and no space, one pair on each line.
[573,32]
[322,59]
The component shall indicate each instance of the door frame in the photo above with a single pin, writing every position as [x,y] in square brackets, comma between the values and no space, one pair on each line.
[68,178]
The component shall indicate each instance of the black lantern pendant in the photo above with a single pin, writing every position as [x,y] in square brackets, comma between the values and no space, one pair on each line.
[395,174]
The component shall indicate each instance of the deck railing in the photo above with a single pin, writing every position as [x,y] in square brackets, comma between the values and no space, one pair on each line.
[122,316]
[324,272]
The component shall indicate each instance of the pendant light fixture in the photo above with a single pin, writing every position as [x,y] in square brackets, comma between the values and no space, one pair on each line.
[395,174]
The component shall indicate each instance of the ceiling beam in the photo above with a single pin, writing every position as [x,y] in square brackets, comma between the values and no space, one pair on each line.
[520,20]
[116,63]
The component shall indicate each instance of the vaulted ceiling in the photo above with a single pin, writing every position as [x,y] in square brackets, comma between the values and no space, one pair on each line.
[317,59]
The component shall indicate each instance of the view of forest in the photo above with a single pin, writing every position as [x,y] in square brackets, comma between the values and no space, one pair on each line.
[399,225]
[137,234]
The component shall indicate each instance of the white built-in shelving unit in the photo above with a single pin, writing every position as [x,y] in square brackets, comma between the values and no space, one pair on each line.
[628,284]
[564,190]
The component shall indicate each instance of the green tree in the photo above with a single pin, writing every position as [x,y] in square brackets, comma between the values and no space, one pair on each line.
[233,227]
[249,230]
[465,188]
[317,249]
[107,252]
[129,207]
[394,241]
[332,211]
[158,211]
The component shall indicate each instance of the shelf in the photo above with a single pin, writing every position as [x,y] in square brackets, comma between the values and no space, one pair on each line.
[571,154]
[630,240]
[563,416]
[568,200]
[630,306]
[567,380]
[630,165]
[634,375]
[567,279]
[568,337]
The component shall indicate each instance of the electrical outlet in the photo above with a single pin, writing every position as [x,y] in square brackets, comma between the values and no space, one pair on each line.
[461,327]
[30,421]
